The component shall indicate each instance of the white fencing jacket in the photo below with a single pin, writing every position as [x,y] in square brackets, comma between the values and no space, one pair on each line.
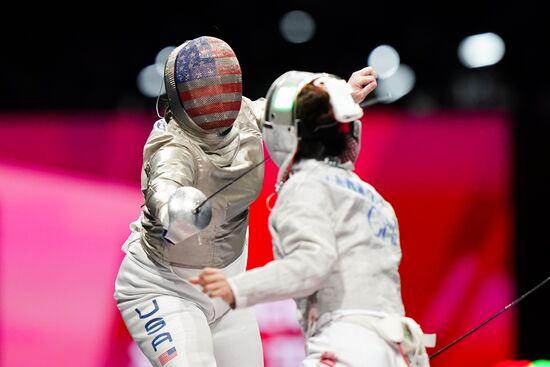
[336,246]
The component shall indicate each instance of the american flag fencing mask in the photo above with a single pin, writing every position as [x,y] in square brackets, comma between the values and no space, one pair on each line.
[208,80]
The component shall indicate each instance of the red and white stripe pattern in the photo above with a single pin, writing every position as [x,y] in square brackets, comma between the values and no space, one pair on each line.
[168,356]
[209,82]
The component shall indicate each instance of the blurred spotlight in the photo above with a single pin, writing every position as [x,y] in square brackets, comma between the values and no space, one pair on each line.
[385,60]
[162,55]
[396,86]
[297,26]
[149,81]
[481,50]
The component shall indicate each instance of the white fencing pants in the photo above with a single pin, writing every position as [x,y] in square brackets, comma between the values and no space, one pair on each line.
[176,325]
[345,344]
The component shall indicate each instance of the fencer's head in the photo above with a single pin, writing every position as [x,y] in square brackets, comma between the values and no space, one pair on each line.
[204,84]
[310,115]
[318,130]
[321,134]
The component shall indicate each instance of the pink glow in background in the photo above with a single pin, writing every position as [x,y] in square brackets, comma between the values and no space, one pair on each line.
[59,257]
[69,186]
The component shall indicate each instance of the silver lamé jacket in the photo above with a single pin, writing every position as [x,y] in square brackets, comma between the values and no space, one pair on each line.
[180,154]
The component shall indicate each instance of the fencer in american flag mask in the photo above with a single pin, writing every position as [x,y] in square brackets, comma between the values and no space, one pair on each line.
[204,85]
[214,121]
[209,136]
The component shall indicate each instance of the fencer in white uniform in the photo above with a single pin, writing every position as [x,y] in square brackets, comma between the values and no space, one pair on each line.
[209,136]
[335,239]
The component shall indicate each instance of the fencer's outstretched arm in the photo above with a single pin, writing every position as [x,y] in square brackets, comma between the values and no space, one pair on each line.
[305,251]
[171,172]
[362,83]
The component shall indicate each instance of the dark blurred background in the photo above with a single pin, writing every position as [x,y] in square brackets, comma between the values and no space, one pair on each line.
[87,56]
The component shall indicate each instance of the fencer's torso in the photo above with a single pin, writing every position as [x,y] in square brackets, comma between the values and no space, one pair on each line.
[365,275]
[186,160]
[336,242]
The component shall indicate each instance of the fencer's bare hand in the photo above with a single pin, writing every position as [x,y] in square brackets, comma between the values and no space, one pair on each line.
[214,284]
[362,82]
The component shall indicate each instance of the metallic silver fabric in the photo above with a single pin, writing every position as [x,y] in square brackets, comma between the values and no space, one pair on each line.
[177,155]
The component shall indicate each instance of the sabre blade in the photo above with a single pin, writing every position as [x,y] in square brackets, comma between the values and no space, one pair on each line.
[435,354]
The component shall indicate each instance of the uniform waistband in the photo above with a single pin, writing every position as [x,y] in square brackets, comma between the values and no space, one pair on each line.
[393,328]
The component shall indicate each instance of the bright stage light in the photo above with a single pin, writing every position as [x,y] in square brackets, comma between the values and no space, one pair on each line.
[481,50]
[385,60]
[149,81]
